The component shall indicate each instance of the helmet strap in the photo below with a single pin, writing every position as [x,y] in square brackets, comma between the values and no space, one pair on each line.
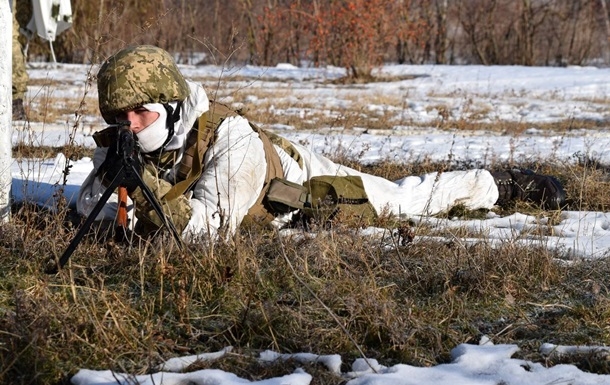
[172,117]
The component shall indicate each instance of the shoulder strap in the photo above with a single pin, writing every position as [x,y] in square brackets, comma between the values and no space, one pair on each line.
[198,142]
[285,145]
[191,164]
[261,212]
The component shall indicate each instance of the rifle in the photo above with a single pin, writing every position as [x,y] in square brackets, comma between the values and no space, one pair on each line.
[127,149]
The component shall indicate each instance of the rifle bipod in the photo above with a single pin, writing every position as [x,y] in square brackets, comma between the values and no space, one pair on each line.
[54,265]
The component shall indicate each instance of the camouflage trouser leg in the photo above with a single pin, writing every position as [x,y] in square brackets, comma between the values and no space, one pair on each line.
[20,76]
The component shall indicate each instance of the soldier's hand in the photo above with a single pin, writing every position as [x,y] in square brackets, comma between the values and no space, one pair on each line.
[112,165]
[122,161]
[132,173]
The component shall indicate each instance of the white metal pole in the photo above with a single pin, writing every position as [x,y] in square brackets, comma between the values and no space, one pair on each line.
[6,107]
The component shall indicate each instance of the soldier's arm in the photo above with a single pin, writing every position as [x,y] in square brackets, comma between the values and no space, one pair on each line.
[232,179]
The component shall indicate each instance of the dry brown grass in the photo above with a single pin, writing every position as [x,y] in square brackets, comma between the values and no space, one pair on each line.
[23,150]
[128,308]
[307,106]
[41,111]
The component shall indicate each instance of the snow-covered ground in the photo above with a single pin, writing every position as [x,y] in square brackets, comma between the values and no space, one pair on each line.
[484,364]
[424,96]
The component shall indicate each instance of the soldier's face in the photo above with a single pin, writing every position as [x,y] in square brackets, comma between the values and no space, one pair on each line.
[140,118]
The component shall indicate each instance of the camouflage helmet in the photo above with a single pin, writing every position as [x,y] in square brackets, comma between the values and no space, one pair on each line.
[136,76]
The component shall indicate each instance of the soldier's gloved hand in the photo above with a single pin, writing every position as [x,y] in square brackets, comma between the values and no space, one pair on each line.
[132,175]
[120,158]
[177,210]
[112,165]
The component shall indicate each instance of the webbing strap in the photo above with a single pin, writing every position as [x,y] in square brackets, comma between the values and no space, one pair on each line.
[191,165]
[260,213]
[199,141]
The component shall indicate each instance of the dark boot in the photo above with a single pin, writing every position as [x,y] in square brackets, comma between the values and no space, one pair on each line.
[504,182]
[18,110]
[525,185]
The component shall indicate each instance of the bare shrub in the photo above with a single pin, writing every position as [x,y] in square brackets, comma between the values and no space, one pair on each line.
[357,35]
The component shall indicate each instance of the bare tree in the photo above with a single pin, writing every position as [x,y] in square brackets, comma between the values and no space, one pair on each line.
[529,32]
[441,40]
[606,18]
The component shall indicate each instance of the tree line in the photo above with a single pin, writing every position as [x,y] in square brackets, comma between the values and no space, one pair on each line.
[355,34]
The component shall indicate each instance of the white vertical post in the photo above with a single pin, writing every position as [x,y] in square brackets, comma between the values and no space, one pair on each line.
[6,106]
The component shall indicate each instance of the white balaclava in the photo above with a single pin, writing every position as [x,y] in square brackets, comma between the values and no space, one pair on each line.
[152,137]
